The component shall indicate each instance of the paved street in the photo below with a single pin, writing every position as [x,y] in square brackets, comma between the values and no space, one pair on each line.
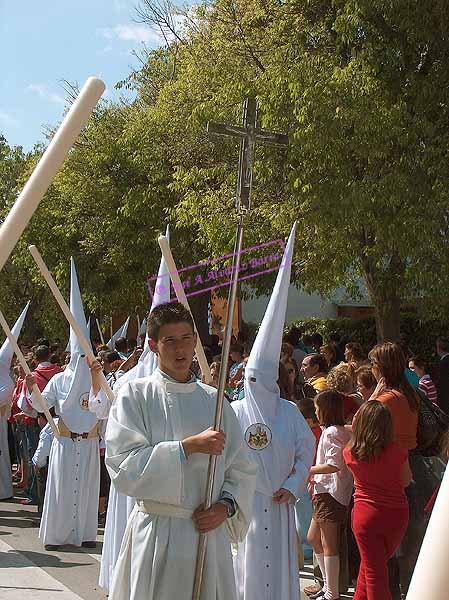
[28,572]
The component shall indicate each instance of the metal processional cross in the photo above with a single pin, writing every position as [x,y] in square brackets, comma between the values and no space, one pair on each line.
[249,133]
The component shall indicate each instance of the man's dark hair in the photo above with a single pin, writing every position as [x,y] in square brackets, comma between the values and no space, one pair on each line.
[43,342]
[121,345]
[317,339]
[294,335]
[55,359]
[307,409]
[443,343]
[131,343]
[335,337]
[419,362]
[320,360]
[237,348]
[112,356]
[166,314]
[42,354]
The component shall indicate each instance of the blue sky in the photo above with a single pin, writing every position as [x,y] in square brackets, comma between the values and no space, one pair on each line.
[44,42]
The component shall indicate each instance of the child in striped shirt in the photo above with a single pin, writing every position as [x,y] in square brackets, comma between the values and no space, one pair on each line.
[426,385]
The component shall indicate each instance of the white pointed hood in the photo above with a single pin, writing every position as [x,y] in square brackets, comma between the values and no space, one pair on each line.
[262,396]
[143,327]
[6,354]
[74,407]
[121,332]
[148,360]
[262,369]
[77,310]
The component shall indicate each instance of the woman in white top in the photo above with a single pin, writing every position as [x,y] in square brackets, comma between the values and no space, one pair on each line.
[332,489]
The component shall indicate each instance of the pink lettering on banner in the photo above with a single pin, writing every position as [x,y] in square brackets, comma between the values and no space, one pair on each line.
[214,273]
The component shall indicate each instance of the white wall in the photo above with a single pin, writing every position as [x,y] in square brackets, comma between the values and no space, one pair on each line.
[300,305]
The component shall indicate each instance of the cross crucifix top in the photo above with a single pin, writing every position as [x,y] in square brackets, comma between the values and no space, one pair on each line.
[249,133]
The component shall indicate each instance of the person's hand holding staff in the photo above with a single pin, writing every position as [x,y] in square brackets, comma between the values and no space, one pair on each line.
[68,315]
[36,391]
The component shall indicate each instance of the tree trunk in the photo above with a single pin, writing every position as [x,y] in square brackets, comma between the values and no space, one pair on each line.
[388,318]
[383,286]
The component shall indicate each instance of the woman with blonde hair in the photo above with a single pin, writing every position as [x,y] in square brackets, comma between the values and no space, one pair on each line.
[341,379]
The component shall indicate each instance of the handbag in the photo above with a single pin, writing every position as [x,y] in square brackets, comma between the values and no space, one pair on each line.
[432,424]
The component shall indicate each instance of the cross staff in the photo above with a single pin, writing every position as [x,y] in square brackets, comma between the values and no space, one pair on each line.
[249,134]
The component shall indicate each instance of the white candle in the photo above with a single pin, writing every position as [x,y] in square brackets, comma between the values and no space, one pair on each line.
[180,294]
[49,164]
[431,575]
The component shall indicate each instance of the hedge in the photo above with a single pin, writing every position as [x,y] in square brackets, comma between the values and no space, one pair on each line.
[419,334]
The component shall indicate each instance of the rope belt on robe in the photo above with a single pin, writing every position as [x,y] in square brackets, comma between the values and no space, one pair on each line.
[150,507]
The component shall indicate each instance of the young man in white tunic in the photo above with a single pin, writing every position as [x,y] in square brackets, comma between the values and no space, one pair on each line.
[70,512]
[6,392]
[158,443]
[120,505]
[266,565]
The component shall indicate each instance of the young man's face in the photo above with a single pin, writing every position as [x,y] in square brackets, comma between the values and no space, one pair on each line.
[175,349]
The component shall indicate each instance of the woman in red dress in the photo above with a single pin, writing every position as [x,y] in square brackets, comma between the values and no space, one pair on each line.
[381,472]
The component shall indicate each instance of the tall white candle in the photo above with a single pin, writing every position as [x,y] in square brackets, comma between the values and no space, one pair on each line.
[181,295]
[49,164]
[431,575]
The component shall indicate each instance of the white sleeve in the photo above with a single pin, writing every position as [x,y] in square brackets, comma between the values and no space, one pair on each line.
[137,467]
[43,448]
[49,394]
[23,402]
[99,404]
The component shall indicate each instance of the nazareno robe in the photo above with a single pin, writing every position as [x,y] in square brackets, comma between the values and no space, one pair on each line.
[70,511]
[119,506]
[146,424]
[266,564]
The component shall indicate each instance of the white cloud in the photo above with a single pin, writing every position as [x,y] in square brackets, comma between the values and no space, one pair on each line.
[130,33]
[42,90]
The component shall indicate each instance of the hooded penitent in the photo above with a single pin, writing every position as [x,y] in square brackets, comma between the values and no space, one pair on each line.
[77,373]
[121,332]
[262,394]
[6,354]
[148,360]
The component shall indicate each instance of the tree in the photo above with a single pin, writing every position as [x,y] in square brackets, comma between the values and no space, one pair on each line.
[361,89]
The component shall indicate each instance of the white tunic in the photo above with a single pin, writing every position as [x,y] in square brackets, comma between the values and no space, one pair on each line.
[157,559]
[266,565]
[119,506]
[70,512]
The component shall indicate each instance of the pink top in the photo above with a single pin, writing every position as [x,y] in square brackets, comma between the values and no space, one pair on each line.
[330,452]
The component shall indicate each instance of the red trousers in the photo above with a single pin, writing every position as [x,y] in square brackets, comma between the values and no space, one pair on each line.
[378,532]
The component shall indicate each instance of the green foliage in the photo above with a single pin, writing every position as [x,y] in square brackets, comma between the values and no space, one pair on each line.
[362,90]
